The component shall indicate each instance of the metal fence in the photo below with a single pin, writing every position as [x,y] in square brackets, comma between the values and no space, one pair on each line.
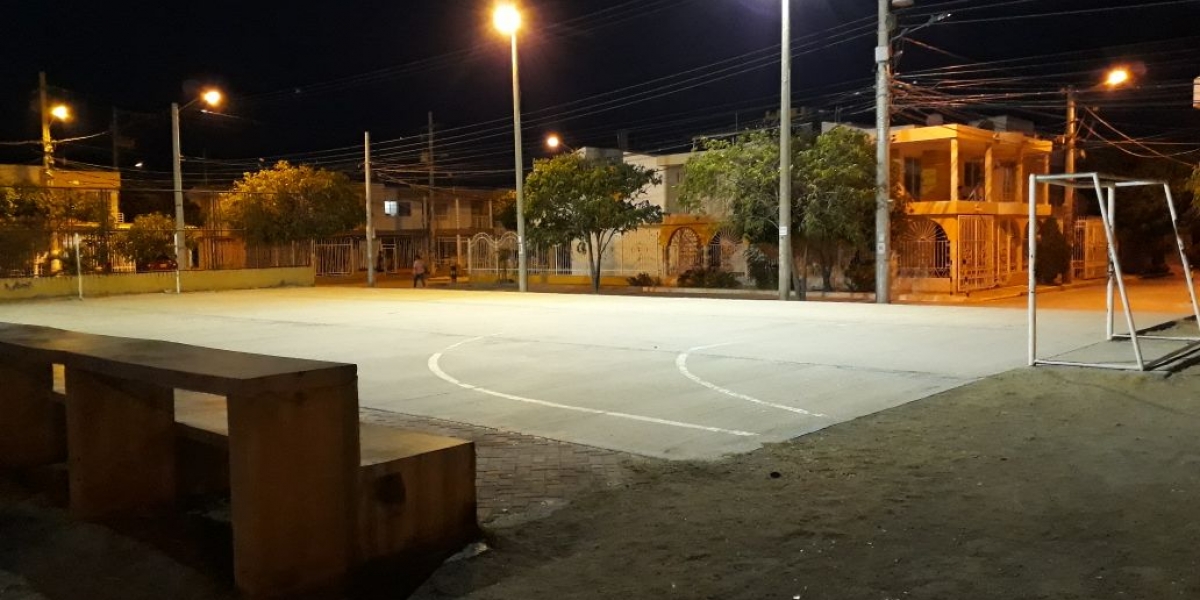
[923,259]
[33,253]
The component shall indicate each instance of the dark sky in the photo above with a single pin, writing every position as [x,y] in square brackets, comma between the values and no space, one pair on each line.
[306,78]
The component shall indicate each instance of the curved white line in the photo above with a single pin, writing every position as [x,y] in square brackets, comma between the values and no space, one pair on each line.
[681,364]
[437,370]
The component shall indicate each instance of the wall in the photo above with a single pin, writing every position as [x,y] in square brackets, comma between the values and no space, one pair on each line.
[147,283]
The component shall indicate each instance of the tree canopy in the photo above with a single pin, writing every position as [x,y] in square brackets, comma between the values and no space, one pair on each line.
[832,200]
[293,203]
[571,199]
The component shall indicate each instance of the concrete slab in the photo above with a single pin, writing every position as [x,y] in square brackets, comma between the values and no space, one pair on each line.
[679,378]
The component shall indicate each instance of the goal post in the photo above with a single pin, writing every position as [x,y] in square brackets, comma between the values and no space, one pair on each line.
[1105,188]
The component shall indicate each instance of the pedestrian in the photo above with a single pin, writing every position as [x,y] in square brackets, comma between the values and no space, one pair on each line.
[454,273]
[418,272]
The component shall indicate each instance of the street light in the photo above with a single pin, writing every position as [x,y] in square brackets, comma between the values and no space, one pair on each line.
[211,97]
[785,157]
[555,143]
[507,20]
[62,112]
[1114,78]
[1117,77]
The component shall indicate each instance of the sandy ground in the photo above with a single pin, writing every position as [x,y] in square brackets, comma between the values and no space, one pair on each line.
[1049,483]
[1039,483]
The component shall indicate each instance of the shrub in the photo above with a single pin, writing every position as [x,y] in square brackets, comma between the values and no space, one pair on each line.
[708,278]
[644,280]
[1053,254]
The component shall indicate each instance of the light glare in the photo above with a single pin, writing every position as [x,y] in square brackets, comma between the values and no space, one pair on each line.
[507,19]
[1117,77]
[61,112]
[212,98]
[553,142]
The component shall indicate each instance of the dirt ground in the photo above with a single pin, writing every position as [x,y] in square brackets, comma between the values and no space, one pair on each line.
[1048,483]
[1039,483]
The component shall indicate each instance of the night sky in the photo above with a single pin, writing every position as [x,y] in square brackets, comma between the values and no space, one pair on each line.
[305,78]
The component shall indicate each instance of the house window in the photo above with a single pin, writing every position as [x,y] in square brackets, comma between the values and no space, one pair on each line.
[393,208]
[1008,182]
[973,181]
[912,177]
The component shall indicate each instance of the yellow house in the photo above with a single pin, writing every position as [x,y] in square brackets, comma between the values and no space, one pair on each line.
[104,184]
[965,197]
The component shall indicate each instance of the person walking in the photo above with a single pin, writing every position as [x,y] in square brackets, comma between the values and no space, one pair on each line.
[418,272]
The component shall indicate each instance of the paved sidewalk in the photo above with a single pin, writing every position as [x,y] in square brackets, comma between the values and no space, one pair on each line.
[522,477]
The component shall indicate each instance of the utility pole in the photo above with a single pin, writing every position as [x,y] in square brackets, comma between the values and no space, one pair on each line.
[47,143]
[114,133]
[883,171]
[431,243]
[370,230]
[1071,140]
[785,158]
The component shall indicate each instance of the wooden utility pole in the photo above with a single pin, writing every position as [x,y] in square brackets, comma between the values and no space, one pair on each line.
[47,143]
[114,133]
[430,230]
[1070,141]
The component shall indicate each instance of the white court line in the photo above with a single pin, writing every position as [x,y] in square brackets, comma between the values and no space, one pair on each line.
[437,370]
[681,364]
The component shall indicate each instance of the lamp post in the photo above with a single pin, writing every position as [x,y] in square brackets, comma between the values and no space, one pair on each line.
[212,98]
[785,157]
[507,20]
[1116,77]
[48,114]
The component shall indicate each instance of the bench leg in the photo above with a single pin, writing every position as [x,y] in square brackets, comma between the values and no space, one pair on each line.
[31,427]
[120,444]
[293,460]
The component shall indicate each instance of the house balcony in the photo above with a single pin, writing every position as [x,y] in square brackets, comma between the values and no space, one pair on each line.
[931,208]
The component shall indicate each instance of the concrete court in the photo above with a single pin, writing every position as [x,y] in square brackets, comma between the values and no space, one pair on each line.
[667,377]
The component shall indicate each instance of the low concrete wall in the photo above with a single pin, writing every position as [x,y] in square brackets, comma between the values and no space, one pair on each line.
[146,283]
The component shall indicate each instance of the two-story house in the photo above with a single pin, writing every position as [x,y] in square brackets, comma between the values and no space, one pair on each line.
[964,190]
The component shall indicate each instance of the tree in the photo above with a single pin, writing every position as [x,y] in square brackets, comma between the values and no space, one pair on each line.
[1053,254]
[837,197]
[1143,224]
[150,238]
[293,203]
[571,199]
[31,215]
[832,193]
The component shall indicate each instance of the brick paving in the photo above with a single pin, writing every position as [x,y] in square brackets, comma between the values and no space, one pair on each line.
[522,476]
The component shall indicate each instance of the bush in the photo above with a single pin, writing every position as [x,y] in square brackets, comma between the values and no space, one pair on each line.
[860,273]
[764,274]
[708,278]
[644,280]
[1053,254]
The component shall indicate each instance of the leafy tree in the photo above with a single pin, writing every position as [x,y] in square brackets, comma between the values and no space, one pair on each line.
[572,199]
[293,203]
[1053,254]
[837,197]
[832,194]
[30,215]
[149,238]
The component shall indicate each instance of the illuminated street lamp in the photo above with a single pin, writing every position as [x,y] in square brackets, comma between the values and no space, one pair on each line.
[1114,78]
[554,143]
[212,97]
[507,20]
[62,112]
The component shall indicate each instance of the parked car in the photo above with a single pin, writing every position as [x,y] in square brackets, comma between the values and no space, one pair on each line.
[162,263]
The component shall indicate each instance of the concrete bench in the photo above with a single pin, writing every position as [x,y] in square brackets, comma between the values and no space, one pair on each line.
[309,505]
[416,491]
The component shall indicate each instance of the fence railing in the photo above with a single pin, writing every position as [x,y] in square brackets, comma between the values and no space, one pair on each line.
[33,253]
[923,259]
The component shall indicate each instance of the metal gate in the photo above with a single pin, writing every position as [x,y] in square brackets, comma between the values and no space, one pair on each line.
[1089,253]
[335,257]
[976,253]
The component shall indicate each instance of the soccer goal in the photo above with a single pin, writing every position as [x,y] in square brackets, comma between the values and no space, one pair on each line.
[1105,188]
